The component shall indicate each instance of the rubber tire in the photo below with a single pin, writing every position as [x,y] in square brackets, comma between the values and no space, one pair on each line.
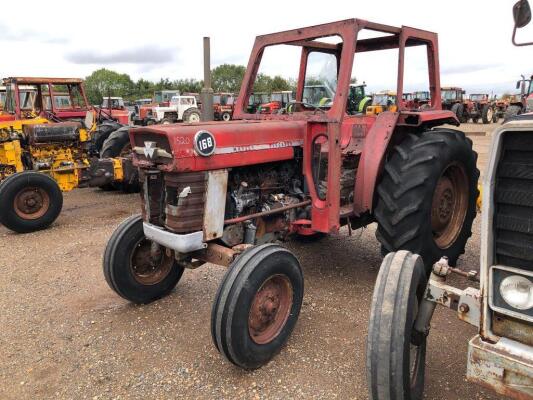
[400,283]
[495,116]
[511,111]
[229,314]
[117,271]
[113,147]
[12,185]
[405,193]
[475,120]
[484,114]
[102,133]
[165,121]
[226,116]
[187,114]
[458,110]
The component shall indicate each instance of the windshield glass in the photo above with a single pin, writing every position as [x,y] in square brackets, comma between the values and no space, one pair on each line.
[477,97]
[422,95]
[382,100]
[216,99]
[449,94]
[62,101]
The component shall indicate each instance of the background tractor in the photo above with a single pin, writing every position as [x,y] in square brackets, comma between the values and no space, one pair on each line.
[358,101]
[408,289]
[523,102]
[278,101]
[453,100]
[180,108]
[227,192]
[49,141]
[382,101]
[500,106]
[479,106]
[223,104]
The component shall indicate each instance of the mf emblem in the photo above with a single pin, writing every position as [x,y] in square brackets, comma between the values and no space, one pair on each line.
[150,149]
[204,143]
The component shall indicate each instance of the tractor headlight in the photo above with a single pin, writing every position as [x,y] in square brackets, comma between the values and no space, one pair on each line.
[517,291]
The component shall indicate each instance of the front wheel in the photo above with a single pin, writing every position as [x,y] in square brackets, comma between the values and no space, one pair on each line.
[257,305]
[426,199]
[136,268]
[395,354]
[226,116]
[30,201]
[487,114]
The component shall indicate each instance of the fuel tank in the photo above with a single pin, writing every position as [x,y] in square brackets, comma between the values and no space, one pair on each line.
[215,145]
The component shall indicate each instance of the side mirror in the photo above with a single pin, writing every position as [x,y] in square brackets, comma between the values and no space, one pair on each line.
[521,13]
[522,17]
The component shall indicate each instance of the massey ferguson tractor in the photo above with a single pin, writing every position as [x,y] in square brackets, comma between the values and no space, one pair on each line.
[453,100]
[521,103]
[228,192]
[481,107]
[408,289]
[223,104]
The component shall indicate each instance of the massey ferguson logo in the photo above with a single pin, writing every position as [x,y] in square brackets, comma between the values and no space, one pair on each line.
[204,143]
[149,149]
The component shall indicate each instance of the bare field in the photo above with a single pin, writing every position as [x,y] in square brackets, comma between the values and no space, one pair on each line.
[65,334]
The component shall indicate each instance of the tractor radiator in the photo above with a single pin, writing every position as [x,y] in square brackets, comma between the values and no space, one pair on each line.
[513,217]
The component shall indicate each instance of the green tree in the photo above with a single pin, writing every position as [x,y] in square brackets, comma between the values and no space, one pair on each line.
[227,78]
[143,89]
[188,85]
[103,82]
[263,83]
[279,83]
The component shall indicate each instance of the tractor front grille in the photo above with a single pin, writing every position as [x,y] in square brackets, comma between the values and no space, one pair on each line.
[184,201]
[513,196]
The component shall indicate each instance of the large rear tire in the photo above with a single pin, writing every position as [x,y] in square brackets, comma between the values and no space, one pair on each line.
[131,269]
[118,145]
[30,201]
[257,305]
[458,110]
[511,112]
[395,357]
[487,114]
[191,115]
[426,199]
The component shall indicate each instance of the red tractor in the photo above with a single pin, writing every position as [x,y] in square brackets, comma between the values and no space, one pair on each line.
[453,100]
[479,106]
[227,192]
[223,104]
[523,102]
[278,101]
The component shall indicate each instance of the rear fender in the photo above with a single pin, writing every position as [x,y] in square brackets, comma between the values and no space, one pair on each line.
[376,143]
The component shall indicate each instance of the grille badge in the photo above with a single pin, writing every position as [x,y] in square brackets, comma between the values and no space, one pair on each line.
[149,149]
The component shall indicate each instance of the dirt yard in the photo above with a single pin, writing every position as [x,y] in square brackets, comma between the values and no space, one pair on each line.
[65,335]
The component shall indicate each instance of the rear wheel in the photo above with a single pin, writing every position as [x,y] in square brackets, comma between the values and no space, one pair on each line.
[511,112]
[257,305]
[426,199]
[118,145]
[191,115]
[395,355]
[487,114]
[30,201]
[226,116]
[136,268]
[458,110]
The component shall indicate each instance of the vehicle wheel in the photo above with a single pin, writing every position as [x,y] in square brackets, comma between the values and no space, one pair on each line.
[165,121]
[30,201]
[475,120]
[102,133]
[487,114]
[395,358]
[458,110]
[257,305]
[226,116]
[133,269]
[511,112]
[191,115]
[495,115]
[118,145]
[426,199]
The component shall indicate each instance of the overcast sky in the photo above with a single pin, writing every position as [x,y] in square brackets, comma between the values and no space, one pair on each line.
[164,38]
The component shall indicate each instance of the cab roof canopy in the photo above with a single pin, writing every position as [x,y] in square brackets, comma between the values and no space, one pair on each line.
[42,81]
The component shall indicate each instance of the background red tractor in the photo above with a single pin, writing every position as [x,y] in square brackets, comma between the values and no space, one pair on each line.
[479,106]
[223,104]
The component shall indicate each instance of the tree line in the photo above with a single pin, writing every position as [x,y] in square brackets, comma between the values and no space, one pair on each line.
[224,78]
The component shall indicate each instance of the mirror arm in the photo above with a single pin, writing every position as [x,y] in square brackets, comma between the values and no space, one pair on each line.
[519,44]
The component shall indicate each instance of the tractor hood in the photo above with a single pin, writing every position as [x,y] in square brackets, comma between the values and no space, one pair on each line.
[215,145]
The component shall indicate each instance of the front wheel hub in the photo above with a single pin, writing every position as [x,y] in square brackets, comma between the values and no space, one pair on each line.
[31,203]
[270,309]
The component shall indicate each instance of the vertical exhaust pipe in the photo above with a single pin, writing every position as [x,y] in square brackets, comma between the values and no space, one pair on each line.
[207,92]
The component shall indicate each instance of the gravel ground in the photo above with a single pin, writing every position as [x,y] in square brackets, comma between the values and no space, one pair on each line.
[65,334]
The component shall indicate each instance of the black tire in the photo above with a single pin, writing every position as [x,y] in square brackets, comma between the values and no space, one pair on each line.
[231,329]
[391,374]
[408,208]
[487,114]
[166,121]
[475,120]
[37,188]
[102,133]
[226,116]
[118,267]
[496,115]
[191,113]
[458,110]
[511,111]
[118,145]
